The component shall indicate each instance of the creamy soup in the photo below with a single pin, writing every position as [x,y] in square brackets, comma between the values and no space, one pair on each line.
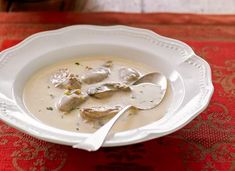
[54,97]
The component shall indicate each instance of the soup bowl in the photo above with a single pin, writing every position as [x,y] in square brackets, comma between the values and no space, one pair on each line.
[189,77]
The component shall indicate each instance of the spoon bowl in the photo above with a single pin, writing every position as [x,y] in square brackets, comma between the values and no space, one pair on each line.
[146,95]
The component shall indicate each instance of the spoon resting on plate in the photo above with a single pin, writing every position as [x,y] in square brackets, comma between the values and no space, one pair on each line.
[143,96]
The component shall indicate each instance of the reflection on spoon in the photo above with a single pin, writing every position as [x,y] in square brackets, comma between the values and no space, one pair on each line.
[153,77]
[143,96]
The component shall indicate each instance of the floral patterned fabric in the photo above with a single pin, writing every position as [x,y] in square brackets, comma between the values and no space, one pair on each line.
[207,143]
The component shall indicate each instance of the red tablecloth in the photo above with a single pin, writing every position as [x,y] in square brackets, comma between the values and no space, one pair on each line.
[207,143]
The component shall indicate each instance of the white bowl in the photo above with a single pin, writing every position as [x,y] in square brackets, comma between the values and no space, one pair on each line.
[189,76]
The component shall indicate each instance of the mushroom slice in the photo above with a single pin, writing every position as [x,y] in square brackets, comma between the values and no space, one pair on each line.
[105,90]
[68,103]
[65,80]
[95,75]
[72,82]
[60,76]
[99,112]
[128,74]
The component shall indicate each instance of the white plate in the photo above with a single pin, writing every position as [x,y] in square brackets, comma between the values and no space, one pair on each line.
[188,75]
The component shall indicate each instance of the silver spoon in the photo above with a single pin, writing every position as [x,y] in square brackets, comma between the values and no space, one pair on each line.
[143,96]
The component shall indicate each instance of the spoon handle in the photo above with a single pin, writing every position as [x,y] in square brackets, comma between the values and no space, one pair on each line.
[95,140]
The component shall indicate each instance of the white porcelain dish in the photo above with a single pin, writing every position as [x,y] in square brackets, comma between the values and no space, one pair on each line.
[188,75]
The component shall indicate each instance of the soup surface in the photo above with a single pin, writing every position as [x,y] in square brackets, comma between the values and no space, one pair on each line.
[47,94]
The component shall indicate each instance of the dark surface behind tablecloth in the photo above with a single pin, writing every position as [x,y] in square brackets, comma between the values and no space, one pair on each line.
[207,143]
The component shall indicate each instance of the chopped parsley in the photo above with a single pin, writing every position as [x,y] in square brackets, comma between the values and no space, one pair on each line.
[133,97]
[49,108]
[52,96]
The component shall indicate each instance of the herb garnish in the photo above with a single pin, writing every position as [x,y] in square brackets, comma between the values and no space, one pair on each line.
[49,108]
[52,96]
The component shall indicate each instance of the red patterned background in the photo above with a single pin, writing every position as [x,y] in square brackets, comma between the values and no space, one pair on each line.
[207,143]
